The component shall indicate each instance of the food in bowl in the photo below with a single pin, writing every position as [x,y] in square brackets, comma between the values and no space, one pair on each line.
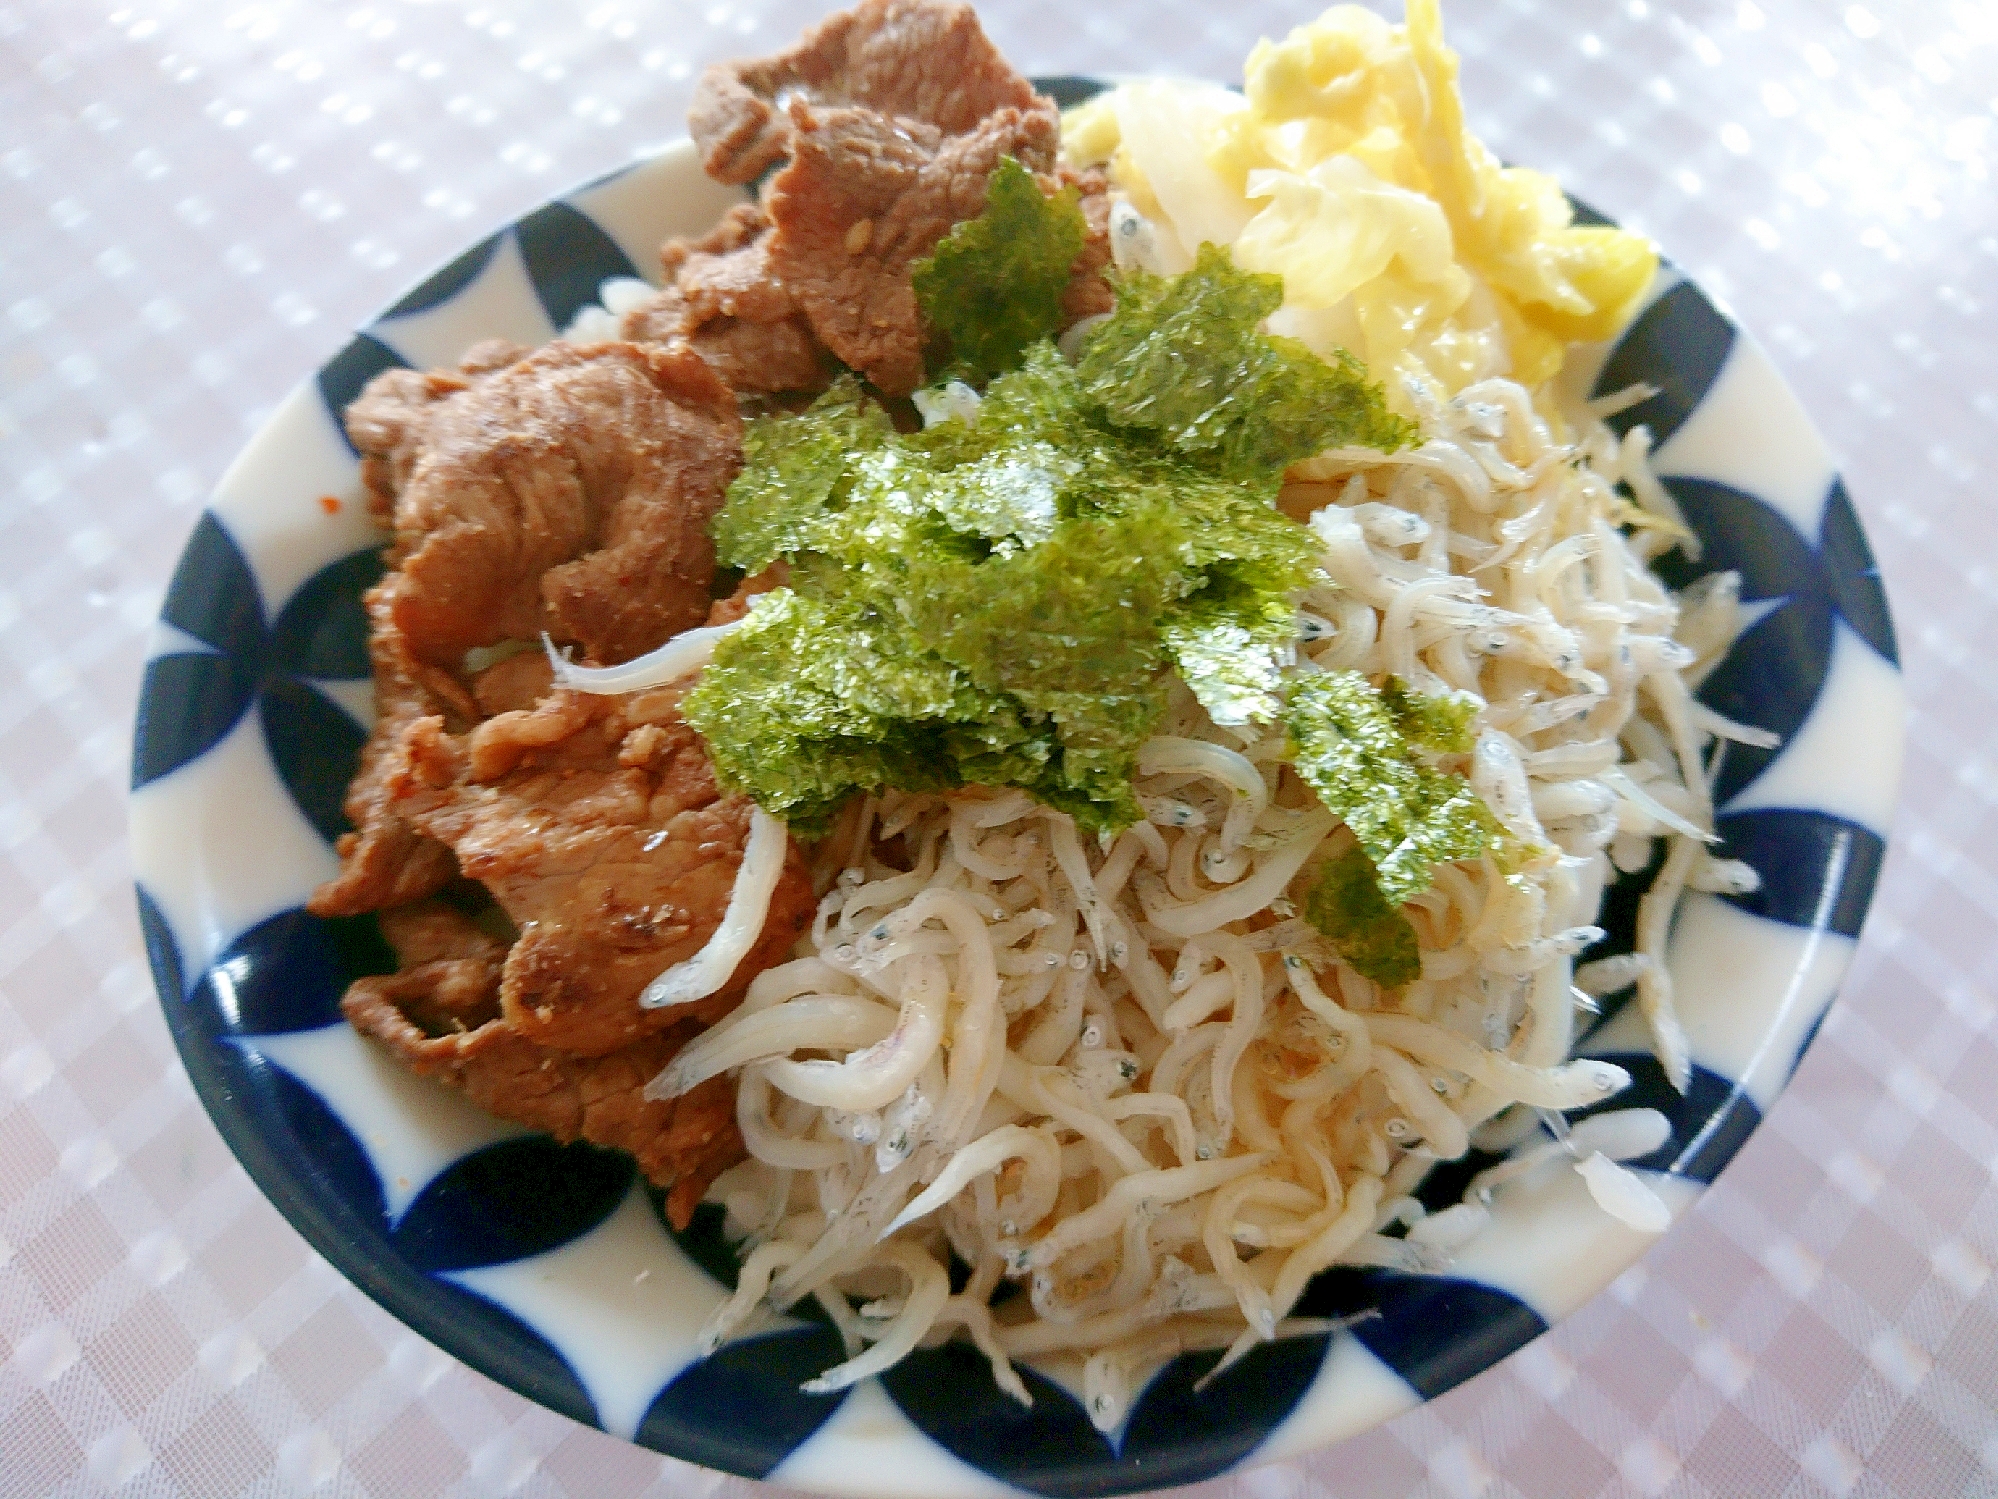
[1047,720]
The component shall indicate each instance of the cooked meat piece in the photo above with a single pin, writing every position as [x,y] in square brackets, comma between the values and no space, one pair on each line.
[518,682]
[701,1143]
[740,227]
[597,825]
[893,116]
[722,297]
[864,197]
[449,978]
[568,491]
[1088,292]
[385,860]
[440,1015]
[387,419]
[441,929]
[919,59]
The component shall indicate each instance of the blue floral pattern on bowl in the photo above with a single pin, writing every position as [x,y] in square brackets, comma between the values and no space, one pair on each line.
[551,1269]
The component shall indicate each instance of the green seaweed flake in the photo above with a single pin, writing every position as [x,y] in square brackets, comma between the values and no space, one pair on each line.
[813,697]
[1004,598]
[794,470]
[1353,752]
[994,284]
[1440,722]
[1079,613]
[1185,358]
[1232,646]
[1346,904]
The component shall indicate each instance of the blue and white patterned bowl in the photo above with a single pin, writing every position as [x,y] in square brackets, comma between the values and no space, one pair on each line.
[551,1269]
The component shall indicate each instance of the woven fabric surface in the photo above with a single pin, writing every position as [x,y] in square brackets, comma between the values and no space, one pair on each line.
[197,203]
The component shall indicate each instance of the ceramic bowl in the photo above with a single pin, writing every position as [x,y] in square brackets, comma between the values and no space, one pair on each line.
[551,1269]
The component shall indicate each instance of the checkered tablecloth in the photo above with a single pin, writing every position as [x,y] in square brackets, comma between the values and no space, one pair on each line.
[198,201]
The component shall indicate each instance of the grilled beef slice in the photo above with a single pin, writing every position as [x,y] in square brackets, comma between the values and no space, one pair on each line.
[597,826]
[913,59]
[867,195]
[722,297]
[440,1014]
[567,491]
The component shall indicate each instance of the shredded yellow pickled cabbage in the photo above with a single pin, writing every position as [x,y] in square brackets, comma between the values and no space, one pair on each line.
[1345,167]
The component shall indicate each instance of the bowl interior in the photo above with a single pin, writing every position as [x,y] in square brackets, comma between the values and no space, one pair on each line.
[551,1269]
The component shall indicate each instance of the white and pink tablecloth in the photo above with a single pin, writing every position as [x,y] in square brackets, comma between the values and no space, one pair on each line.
[197,202]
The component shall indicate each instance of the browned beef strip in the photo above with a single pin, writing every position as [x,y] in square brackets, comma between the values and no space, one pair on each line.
[388,420]
[1088,292]
[442,929]
[920,59]
[518,682]
[893,115]
[864,197]
[722,297]
[448,982]
[597,825]
[568,491]
[386,860]
[440,1015]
